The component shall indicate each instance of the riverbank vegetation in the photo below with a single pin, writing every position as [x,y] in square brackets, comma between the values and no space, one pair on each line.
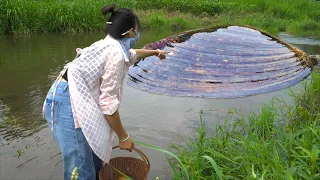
[282,141]
[300,17]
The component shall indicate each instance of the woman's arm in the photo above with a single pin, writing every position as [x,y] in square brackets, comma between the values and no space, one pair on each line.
[143,53]
[109,100]
[115,123]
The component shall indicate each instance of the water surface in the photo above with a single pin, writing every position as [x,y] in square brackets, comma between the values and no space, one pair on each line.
[28,65]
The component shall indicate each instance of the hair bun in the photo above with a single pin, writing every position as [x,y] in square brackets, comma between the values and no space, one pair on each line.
[108,9]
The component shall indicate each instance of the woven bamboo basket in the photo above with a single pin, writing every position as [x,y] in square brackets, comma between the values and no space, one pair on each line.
[134,168]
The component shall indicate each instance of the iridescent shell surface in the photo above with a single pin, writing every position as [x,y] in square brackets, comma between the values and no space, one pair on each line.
[226,63]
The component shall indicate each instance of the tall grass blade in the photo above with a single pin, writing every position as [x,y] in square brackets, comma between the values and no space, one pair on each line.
[127,177]
[215,166]
[166,152]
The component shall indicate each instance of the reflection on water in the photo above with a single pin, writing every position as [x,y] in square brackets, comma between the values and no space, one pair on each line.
[309,45]
[300,40]
[28,65]
[3,110]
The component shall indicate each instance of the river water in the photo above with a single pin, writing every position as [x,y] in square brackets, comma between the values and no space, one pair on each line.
[28,65]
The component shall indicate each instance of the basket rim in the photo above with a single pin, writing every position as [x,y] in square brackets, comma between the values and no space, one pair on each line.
[107,168]
[142,155]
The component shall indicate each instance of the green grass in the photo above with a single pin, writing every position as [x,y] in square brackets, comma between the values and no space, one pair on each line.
[27,17]
[282,141]
[301,17]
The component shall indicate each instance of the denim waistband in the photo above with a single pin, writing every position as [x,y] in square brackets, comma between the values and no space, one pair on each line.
[62,92]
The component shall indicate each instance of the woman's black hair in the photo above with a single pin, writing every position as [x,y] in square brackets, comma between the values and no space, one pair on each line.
[122,20]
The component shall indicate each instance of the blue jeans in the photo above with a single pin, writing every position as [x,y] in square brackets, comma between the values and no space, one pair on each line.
[74,147]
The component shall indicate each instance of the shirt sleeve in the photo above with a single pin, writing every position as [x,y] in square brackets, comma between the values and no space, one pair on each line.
[133,56]
[111,80]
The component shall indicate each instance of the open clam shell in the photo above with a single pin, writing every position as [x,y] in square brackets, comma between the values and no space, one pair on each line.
[225,62]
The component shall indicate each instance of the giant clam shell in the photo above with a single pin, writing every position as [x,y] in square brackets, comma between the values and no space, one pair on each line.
[225,62]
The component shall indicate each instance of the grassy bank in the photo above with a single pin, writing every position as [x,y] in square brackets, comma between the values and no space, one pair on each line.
[301,17]
[280,142]
[27,17]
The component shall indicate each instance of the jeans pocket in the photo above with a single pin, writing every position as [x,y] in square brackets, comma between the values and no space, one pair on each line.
[65,116]
[48,112]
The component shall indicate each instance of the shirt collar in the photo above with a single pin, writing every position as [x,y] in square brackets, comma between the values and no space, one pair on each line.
[108,37]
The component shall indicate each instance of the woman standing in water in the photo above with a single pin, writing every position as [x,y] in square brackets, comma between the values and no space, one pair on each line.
[82,104]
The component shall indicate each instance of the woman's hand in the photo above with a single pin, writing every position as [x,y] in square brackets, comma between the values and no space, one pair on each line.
[162,54]
[144,53]
[126,145]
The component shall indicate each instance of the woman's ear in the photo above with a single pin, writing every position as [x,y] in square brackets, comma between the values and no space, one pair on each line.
[132,33]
